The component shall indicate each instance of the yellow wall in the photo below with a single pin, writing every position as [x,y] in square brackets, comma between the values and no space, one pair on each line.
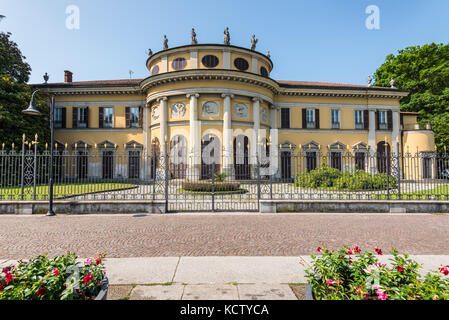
[219,55]
[243,56]
[173,57]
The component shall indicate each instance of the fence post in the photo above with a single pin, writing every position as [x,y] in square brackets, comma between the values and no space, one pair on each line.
[23,164]
[166,176]
[388,157]
[398,159]
[34,167]
[213,185]
[258,179]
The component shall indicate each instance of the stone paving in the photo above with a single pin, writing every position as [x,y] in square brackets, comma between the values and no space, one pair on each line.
[174,235]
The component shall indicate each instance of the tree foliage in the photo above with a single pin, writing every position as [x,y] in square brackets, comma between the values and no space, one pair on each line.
[15,96]
[424,72]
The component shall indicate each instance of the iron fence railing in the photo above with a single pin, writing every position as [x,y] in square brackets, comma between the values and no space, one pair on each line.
[187,182]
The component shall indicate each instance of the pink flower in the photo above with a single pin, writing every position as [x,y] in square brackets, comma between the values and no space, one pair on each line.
[444,270]
[104,272]
[382,295]
[349,251]
[331,282]
[378,251]
[356,249]
[55,272]
[89,261]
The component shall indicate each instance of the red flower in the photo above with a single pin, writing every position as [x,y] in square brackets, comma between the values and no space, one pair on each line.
[400,269]
[356,249]
[444,270]
[349,251]
[1,286]
[98,261]
[319,249]
[8,277]
[378,251]
[88,278]
[6,270]
[55,272]
[41,291]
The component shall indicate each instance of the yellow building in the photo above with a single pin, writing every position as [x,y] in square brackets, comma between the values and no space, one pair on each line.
[203,93]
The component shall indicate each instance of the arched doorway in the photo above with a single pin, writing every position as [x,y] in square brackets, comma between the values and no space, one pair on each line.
[210,156]
[383,157]
[178,157]
[241,158]
[155,154]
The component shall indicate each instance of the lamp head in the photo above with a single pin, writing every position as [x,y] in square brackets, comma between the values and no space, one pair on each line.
[32,110]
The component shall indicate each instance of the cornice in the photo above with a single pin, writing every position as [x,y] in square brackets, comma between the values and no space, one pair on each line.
[64,90]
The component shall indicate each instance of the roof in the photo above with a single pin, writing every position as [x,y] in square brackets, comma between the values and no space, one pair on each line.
[410,113]
[282,83]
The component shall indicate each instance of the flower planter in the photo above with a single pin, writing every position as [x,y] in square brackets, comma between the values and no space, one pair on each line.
[309,292]
[103,294]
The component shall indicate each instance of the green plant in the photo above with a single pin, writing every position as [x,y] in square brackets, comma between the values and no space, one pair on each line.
[220,176]
[325,177]
[60,278]
[206,186]
[349,274]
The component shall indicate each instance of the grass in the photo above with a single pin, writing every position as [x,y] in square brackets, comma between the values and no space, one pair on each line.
[61,190]
[438,193]
[199,193]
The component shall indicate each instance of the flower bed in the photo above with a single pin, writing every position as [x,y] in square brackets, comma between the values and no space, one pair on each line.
[349,274]
[206,186]
[61,278]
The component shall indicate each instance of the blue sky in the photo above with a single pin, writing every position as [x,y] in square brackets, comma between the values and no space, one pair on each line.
[320,40]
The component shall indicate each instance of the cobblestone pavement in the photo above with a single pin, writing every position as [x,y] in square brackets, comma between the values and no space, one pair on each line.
[219,235]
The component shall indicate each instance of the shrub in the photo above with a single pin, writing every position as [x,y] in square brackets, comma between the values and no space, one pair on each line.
[60,278]
[349,274]
[206,186]
[325,177]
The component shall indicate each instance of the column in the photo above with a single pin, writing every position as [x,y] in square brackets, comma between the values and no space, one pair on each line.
[227,134]
[274,143]
[194,153]
[395,132]
[145,172]
[372,141]
[163,123]
[256,127]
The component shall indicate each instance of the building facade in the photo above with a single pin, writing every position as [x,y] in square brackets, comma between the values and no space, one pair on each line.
[208,94]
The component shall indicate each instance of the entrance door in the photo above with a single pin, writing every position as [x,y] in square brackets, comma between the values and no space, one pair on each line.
[241,158]
[133,164]
[383,157]
[427,168]
[210,156]
[108,164]
[286,165]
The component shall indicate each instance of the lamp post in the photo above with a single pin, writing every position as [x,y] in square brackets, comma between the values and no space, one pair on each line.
[31,110]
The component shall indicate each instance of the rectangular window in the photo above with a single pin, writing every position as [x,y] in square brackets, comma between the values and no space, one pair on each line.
[383,125]
[108,117]
[58,118]
[285,118]
[134,117]
[358,119]
[335,119]
[336,160]
[310,118]
[359,158]
[82,117]
[311,160]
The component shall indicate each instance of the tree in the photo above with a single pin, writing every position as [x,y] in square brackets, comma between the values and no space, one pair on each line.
[424,72]
[15,96]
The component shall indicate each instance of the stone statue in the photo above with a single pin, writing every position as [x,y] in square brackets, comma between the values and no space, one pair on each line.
[369,80]
[227,37]
[392,83]
[268,53]
[193,36]
[253,42]
[165,42]
[46,77]
[150,52]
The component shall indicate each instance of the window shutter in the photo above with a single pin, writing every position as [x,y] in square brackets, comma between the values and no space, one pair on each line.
[366,119]
[74,117]
[100,117]
[87,117]
[127,118]
[304,118]
[317,118]
[377,120]
[63,117]
[140,116]
[390,119]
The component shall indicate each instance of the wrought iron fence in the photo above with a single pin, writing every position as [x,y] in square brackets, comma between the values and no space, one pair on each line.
[189,183]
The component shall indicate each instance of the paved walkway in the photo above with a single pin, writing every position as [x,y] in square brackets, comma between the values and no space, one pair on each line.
[220,278]
[215,234]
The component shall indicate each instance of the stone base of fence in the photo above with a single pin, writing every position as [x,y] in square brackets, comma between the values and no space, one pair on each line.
[81,207]
[354,206]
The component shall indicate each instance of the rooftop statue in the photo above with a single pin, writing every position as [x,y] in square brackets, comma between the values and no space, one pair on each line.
[268,53]
[392,83]
[193,36]
[253,42]
[165,42]
[227,37]
[150,52]
[369,80]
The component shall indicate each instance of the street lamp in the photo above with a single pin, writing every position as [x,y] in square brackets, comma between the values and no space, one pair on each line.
[31,110]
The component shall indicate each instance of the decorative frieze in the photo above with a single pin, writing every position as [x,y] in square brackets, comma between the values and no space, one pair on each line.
[241,110]
[155,113]
[210,109]
[178,110]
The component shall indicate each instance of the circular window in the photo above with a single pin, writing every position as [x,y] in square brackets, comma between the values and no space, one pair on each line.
[241,64]
[155,70]
[263,72]
[210,61]
[179,63]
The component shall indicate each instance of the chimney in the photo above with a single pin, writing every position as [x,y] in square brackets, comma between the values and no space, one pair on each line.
[67,76]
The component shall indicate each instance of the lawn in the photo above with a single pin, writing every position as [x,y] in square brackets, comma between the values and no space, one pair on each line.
[438,193]
[61,190]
